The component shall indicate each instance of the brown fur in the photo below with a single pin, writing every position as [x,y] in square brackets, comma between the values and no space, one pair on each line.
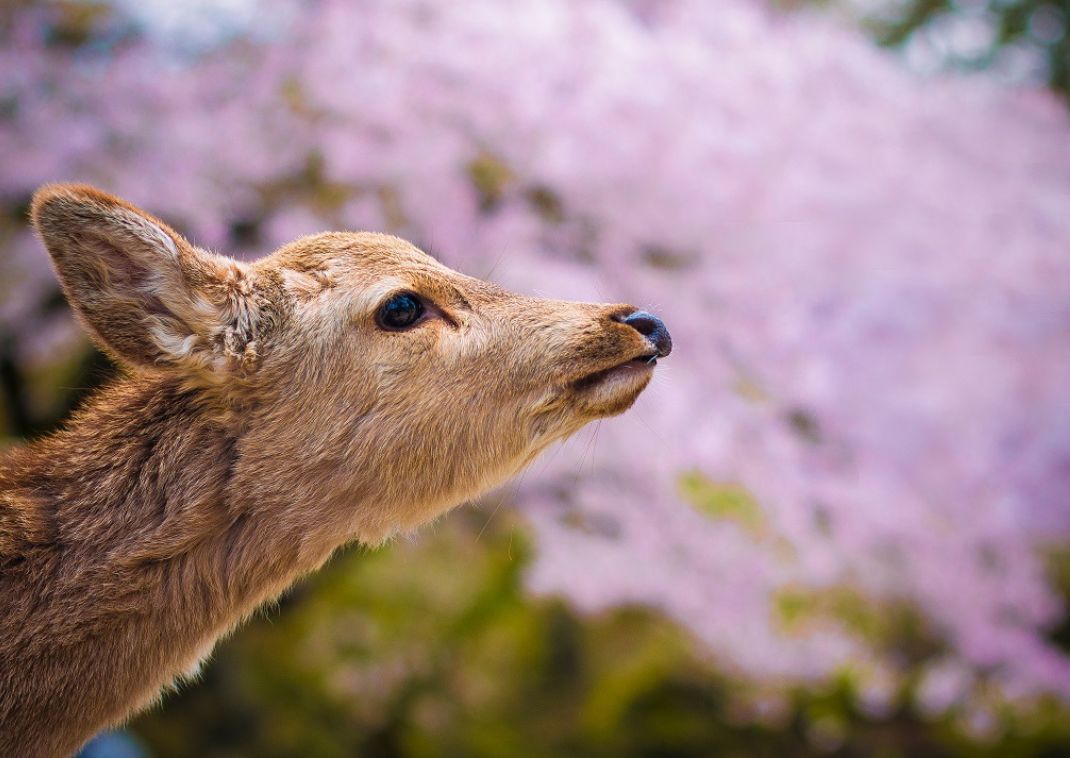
[264,419]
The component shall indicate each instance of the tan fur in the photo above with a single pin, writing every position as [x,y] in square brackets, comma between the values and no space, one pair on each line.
[264,419]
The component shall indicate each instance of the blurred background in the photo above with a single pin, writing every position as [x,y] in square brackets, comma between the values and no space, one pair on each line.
[838,523]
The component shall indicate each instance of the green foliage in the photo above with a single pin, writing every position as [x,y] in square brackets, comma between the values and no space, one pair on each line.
[1038,25]
[723,501]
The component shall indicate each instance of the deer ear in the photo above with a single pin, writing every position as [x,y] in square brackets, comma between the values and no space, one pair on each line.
[148,296]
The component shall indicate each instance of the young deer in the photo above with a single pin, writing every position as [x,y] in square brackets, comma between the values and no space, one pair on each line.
[346,387]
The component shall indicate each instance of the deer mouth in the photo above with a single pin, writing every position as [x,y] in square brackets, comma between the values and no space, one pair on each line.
[639,367]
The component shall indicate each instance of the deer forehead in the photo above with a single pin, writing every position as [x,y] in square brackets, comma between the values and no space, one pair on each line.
[338,256]
[359,270]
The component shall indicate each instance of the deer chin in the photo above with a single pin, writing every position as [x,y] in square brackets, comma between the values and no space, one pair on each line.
[613,390]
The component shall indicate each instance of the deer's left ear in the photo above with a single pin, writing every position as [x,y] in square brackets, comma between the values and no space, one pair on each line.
[148,296]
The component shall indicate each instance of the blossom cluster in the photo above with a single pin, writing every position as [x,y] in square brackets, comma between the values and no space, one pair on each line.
[862,436]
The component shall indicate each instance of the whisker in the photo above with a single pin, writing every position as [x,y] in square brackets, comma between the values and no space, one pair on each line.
[494,268]
[650,427]
[490,518]
[589,448]
[498,506]
[546,460]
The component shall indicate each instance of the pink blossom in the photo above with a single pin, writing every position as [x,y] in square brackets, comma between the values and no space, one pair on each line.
[865,274]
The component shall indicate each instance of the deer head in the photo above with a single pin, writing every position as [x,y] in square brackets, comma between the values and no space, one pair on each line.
[358,369]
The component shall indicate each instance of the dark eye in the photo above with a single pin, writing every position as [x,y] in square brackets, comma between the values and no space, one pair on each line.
[400,311]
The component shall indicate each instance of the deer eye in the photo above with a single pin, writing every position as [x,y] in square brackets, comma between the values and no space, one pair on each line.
[400,311]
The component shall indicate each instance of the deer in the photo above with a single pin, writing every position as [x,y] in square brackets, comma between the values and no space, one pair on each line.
[346,388]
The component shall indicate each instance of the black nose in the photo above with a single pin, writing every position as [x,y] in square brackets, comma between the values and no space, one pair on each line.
[651,327]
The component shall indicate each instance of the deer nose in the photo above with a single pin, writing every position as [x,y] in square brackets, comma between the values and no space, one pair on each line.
[651,327]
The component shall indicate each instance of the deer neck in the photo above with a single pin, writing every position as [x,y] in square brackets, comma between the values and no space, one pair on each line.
[146,488]
[129,542]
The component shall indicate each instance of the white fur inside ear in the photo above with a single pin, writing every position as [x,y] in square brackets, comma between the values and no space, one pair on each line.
[176,344]
[142,228]
[146,294]
[212,337]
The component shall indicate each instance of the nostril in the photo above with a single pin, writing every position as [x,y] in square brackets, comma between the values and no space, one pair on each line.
[643,323]
[651,327]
